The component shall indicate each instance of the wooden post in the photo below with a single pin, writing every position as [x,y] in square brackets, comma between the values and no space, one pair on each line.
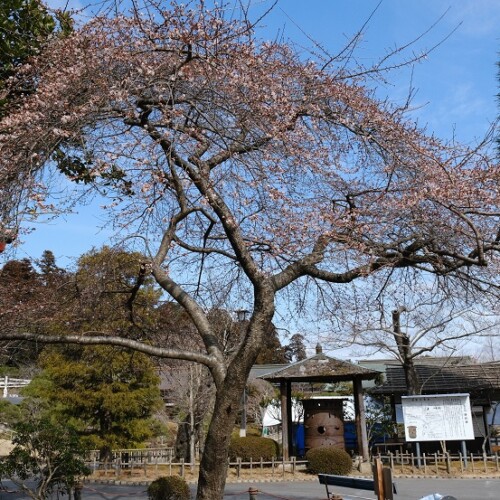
[388,485]
[378,477]
[118,465]
[382,481]
[359,411]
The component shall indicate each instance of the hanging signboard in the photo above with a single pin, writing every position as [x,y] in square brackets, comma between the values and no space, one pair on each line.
[437,417]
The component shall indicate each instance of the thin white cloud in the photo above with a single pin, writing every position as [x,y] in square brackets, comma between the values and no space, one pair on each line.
[477,17]
[466,106]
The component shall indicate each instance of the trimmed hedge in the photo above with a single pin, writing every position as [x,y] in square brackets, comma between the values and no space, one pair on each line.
[253,447]
[329,460]
[169,488]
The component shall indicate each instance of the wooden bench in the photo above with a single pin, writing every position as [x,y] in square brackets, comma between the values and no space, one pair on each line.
[359,483]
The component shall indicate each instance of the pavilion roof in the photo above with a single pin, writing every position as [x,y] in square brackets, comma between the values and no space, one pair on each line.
[320,368]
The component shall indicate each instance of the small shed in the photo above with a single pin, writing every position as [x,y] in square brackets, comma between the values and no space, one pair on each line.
[324,369]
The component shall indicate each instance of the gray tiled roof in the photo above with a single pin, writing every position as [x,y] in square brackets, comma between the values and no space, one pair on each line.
[320,368]
[476,378]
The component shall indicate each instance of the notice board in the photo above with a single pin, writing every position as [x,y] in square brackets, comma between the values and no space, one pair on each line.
[437,417]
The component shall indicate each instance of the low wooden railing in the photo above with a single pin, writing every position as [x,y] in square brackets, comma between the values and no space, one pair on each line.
[441,464]
[151,462]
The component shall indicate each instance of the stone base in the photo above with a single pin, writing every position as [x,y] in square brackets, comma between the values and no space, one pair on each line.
[365,467]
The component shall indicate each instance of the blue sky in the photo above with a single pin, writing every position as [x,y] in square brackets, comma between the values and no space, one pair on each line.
[456,85]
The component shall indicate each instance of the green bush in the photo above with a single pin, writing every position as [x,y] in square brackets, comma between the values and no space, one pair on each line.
[329,460]
[47,457]
[169,488]
[253,447]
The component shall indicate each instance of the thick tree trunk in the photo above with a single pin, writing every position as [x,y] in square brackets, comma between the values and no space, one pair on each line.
[213,466]
[413,384]
[411,376]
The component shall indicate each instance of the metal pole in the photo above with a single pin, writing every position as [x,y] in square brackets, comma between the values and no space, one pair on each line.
[284,420]
[419,456]
[243,424]
[291,450]
[464,453]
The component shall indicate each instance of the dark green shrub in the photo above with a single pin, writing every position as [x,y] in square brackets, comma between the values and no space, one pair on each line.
[169,488]
[329,460]
[47,457]
[253,447]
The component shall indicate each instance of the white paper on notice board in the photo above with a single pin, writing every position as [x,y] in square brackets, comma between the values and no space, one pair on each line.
[437,417]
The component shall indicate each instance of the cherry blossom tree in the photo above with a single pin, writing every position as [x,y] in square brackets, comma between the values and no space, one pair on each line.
[26,26]
[241,169]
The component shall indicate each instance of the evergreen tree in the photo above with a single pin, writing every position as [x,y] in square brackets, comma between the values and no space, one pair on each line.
[113,293]
[23,304]
[296,350]
[109,395]
[272,351]
[49,270]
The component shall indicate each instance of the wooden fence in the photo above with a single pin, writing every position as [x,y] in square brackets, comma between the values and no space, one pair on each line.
[150,463]
[441,464]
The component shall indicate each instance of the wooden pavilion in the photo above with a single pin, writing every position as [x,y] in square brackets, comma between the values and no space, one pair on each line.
[323,369]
